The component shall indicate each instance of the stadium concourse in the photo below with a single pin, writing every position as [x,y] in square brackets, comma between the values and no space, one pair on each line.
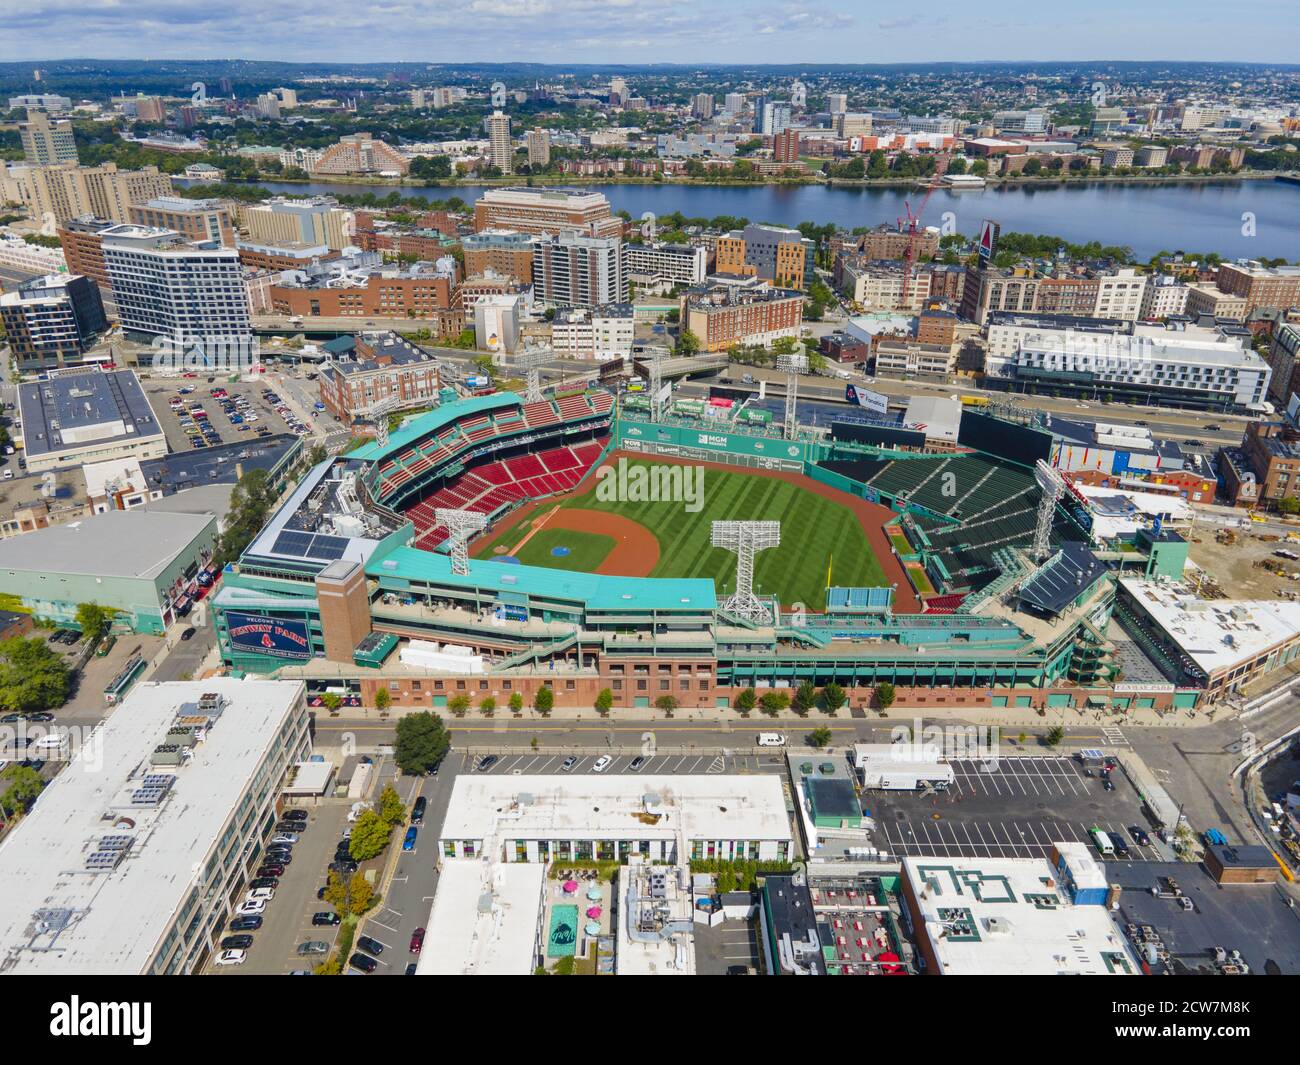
[893,564]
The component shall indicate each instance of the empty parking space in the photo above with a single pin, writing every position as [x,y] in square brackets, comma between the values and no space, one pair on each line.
[1010,808]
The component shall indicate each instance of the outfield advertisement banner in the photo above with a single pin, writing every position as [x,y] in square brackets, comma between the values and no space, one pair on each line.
[258,634]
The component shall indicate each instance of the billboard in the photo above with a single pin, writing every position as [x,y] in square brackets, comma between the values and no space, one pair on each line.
[877,435]
[988,243]
[866,399]
[276,637]
[1006,440]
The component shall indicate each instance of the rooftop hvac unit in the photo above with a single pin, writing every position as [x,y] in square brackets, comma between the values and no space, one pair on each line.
[167,754]
[182,734]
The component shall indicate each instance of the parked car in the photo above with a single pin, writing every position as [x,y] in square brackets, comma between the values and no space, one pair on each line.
[187,634]
[363,962]
[487,762]
[369,945]
[411,968]
[344,868]
[325,917]
[1139,836]
[264,880]
[567,765]
[231,957]
[237,942]
[1108,785]
[417,810]
[288,839]
[602,763]
[294,815]
[635,765]
[266,894]
[417,941]
[408,843]
[251,907]
[246,924]
[313,946]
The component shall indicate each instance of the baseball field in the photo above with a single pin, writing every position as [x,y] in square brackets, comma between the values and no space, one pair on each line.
[821,538]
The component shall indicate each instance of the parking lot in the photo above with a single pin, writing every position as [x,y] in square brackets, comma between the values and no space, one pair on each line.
[203,412]
[1011,808]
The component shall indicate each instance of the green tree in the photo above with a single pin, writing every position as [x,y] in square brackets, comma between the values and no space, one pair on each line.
[604,701]
[33,676]
[885,695]
[332,701]
[833,697]
[746,699]
[487,706]
[458,704]
[392,811]
[687,343]
[337,895]
[93,620]
[421,744]
[543,701]
[1288,505]
[819,737]
[250,505]
[516,702]
[369,836]
[361,893]
[773,702]
[666,703]
[1054,736]
[382,699]
[805,697]
[21,784]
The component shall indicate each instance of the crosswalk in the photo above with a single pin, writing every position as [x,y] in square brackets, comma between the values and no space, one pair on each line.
[1114,736]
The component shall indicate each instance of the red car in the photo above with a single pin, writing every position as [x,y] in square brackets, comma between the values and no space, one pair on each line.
[417,940]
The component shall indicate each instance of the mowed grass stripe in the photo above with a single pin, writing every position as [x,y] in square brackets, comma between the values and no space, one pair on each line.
[814,530]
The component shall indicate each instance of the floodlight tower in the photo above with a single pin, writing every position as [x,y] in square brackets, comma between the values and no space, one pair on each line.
[746,539]
[792,366]
[461,525]
[1050,481]
[531,360]
[378,413]
[655,374]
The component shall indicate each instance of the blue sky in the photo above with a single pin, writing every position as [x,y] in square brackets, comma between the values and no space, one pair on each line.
[637,31]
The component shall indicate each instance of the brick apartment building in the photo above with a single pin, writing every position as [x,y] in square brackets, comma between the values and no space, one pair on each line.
[83,248]
[1265,468]
[503,252]
[546,210]
[416,292]
[382,366]
[1275,287]
[195,220]
[724,316]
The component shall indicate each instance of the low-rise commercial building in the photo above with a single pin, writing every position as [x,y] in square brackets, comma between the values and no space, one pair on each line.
[546,211]
[132,861]
[600,333]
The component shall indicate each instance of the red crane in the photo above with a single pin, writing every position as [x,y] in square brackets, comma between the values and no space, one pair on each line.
[912,227]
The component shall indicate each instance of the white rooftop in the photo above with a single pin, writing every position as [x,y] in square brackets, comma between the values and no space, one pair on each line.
[992,923]
[613,807]
[1216,634]
[484,920]
[118,916]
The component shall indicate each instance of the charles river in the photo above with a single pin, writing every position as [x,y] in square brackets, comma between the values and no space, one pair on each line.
[1238,219]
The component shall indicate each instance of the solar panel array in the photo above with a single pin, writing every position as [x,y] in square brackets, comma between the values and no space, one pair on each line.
[316,546]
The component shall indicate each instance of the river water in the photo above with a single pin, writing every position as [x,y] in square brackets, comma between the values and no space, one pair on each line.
[1252,219]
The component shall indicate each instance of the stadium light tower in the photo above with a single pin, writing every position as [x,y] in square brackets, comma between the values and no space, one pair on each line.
[531,360]
[461,525]
[746,539]
[792,366]
[378,413]
[655,374]
[1049,480]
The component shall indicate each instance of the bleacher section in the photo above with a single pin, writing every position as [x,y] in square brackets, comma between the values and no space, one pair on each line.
[399,474]
[501,483]
[976,505]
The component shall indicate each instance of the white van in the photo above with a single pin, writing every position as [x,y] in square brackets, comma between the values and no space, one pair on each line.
[771,739]
[1102,842]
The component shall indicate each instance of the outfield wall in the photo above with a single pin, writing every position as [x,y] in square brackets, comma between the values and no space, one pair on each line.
[704,444]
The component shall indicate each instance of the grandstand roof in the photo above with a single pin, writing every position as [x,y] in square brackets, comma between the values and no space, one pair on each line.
[432,422]
[597,591]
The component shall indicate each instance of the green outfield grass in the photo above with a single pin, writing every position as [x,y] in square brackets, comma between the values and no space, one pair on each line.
[817,534]
[586,550]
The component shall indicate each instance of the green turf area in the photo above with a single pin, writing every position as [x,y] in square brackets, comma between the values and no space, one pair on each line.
[586,550]
[816,534]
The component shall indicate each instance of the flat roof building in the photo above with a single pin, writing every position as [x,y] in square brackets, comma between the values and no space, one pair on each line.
[485,920]
[131,860]
[50,321]
[78,415]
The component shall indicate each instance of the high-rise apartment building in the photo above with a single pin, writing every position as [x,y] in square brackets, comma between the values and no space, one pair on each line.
[46,142]
[360,153]
[182,292]
[66,190]
[539,147]
[837,102]
[51,321]
[702,105]
[734,102]
[549,210]
[785,146]
[574,270]
[501,251]
[500,148]
[773,118]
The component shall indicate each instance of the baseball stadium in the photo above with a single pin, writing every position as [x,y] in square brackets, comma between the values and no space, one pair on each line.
[498,545]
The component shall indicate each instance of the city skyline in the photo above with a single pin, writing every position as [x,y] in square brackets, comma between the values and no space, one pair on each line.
[560,31]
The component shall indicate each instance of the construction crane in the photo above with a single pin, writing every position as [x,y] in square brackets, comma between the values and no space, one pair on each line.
[912,227]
